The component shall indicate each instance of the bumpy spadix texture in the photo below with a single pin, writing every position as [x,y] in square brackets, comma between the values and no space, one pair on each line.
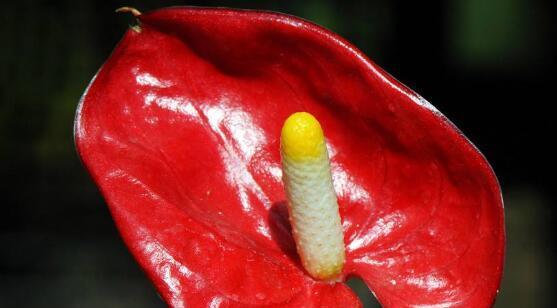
[311,198]
[180,129]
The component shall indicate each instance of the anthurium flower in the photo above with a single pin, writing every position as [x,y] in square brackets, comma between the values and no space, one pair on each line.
[180,129]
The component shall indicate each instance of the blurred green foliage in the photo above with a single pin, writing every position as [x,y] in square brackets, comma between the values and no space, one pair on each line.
[498,34]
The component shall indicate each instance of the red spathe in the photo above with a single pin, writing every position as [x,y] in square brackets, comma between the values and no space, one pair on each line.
[180,130]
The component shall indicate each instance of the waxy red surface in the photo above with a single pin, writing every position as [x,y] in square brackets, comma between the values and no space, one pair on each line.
[180,131]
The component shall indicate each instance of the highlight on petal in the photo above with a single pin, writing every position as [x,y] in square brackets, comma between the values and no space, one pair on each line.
[180,130]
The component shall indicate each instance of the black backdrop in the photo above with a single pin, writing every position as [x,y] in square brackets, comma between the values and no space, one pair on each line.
[487,65]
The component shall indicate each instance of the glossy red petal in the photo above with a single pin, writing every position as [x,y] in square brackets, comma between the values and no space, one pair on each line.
[180,131]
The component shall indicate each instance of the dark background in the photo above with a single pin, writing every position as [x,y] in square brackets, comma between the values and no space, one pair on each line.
[486,64]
